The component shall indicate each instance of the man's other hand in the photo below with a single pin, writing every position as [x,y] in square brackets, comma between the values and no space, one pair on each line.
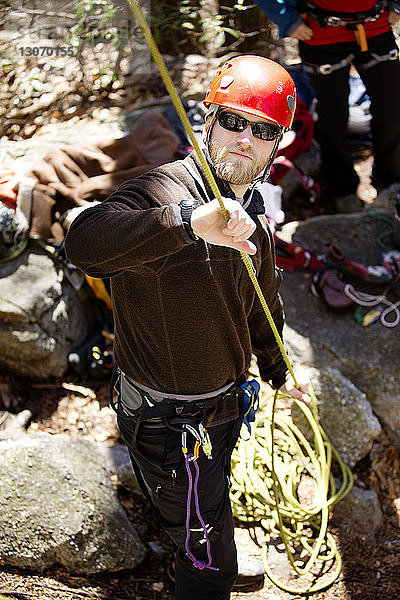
[300,393]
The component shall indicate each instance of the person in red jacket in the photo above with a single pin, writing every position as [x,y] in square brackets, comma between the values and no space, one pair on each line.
[333,35]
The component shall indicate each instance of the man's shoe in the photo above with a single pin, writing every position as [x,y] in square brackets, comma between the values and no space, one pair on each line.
[350,203]
[250,574]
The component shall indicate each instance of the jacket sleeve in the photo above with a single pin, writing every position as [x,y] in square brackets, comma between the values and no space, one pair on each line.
[270,361]
[127,230]
[284,14]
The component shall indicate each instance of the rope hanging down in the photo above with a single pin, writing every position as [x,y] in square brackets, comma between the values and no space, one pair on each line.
[282,509]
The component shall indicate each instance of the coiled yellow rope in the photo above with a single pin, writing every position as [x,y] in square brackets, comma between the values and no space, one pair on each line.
[267,472]
[265,476]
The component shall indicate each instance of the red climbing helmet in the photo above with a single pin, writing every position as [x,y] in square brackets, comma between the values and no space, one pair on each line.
[255,85]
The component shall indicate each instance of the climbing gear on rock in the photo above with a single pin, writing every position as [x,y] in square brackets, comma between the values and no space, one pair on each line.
[377,303]
[291,256]
[371,273]
[329,284]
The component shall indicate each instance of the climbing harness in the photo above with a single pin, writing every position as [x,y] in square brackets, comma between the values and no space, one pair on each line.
[332,18]
[279,508]
[327,69]
[353,21]
[371,273]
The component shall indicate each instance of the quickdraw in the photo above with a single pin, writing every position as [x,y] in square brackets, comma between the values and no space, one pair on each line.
[202,441]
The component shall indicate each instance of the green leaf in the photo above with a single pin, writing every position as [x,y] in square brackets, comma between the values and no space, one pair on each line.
[232,32]
[187,25]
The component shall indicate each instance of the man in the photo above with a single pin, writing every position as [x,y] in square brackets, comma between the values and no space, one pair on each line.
[333,35]
[187,319]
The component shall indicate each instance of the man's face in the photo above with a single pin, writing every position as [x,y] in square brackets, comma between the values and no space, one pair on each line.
[239,157]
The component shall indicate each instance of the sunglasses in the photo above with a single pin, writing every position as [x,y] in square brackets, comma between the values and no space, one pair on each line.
[263,131]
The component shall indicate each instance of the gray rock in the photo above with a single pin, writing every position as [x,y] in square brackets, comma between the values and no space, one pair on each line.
[41,316]
[14,425]
[344,413]
[356,234]
[361,513]
[59,507]
[314,336]
[118,462]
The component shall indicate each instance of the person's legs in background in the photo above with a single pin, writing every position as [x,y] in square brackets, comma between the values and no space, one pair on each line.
[382,82]
[332,92]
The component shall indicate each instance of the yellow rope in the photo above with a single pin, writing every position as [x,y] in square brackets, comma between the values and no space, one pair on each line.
[273,486]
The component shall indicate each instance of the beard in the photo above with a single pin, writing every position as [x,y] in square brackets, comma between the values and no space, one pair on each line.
[234,170]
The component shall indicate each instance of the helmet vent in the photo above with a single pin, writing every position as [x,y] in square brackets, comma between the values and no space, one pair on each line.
[290,102]
[226,81]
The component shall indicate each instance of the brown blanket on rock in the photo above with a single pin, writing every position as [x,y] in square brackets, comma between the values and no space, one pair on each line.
[75,174]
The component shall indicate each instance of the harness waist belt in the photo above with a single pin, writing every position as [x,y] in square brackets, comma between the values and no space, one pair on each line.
[335,18]
[133,395]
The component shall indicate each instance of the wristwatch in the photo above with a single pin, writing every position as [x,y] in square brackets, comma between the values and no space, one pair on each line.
[187,207]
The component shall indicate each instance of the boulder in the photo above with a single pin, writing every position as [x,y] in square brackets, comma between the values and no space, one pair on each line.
[314,336]
[42,316]
[59,507]
[360,513]
[344,413]
[118,462]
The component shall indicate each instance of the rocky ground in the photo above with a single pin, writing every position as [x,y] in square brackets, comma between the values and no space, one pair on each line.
[56,91]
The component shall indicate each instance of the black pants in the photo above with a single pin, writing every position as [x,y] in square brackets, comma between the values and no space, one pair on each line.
[382,82]
[157,453]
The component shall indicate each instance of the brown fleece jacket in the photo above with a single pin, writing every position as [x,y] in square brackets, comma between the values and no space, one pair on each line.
[187,319]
